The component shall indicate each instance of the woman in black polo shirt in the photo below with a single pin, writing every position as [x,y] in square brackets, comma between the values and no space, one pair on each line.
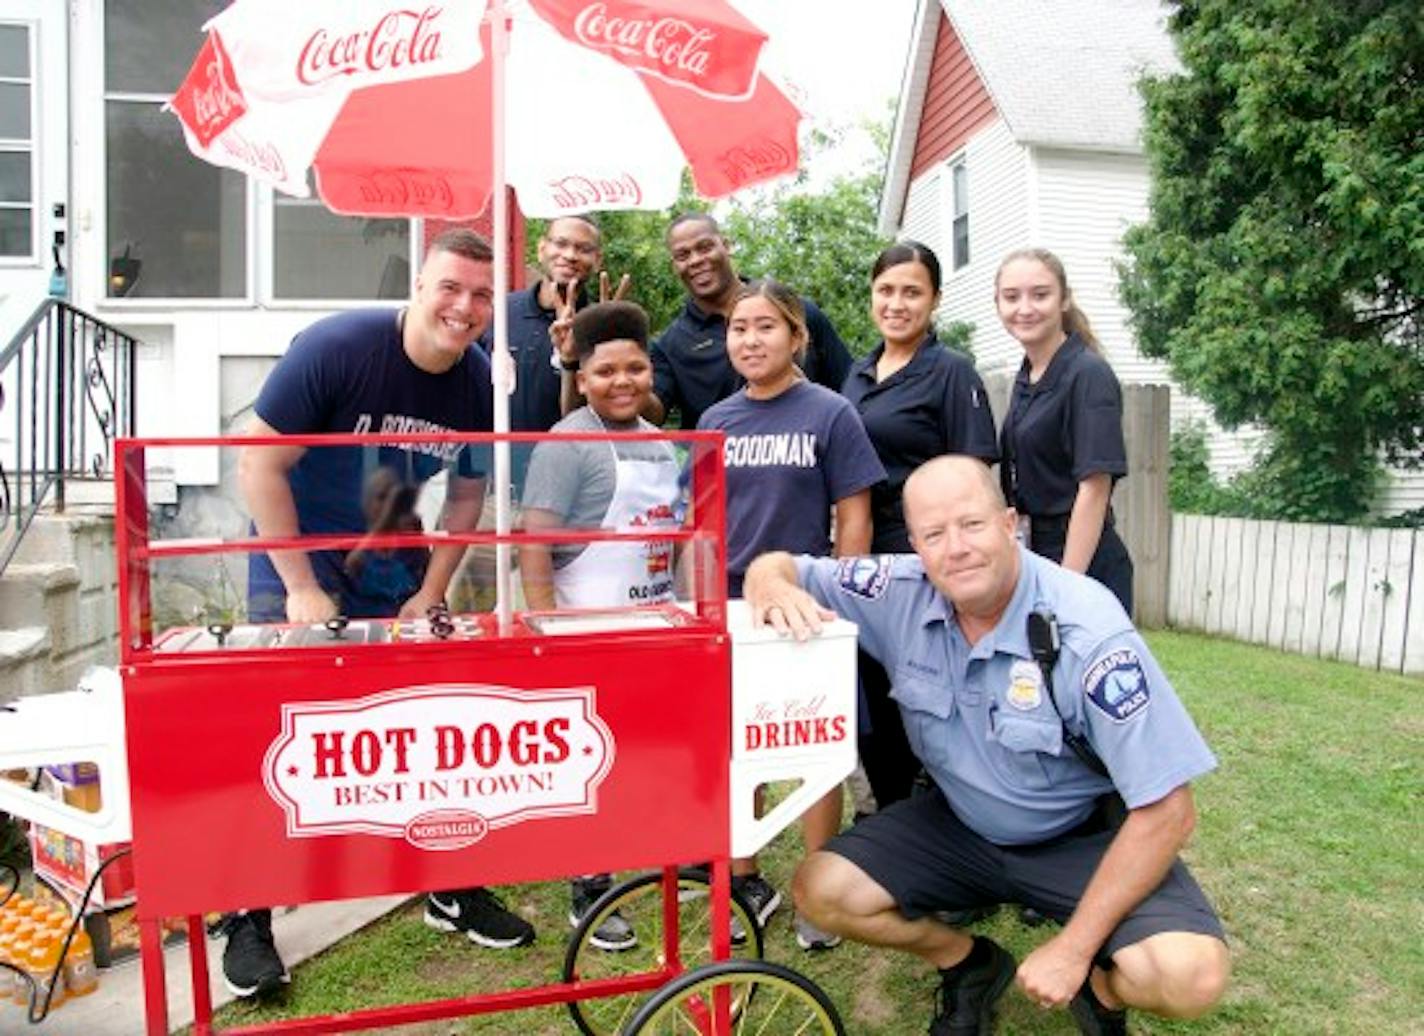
[1061,443]
[918,400]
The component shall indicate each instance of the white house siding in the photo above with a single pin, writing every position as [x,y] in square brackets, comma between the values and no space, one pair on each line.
[924,212]
[998,221]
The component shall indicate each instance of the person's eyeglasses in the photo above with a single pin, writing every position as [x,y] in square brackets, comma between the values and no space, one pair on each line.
[563,244]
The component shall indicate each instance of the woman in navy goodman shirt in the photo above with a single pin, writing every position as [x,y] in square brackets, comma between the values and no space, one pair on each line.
[918,400]
[1062,439]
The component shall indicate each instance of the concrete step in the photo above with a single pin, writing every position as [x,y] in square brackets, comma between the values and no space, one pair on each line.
[31,592]
[62,537]
[24,662]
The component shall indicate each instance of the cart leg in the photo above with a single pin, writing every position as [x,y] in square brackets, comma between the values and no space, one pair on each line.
[155,996]
[198,960]
[721,909]
[672,946]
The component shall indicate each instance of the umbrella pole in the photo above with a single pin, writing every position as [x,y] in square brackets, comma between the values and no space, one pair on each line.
[503,367]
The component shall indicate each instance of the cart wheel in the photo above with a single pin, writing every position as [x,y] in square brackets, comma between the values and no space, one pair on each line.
[763,998]
[639,900]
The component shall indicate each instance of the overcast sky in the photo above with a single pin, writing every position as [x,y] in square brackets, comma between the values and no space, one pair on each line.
[846,57]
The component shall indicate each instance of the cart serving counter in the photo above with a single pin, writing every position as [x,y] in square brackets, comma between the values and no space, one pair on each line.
[280,763]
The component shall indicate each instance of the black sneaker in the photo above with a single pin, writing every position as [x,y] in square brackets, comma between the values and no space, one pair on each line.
[481,915]
[1093,1018]
[251,965]
[613,932]
[759,895]
[968,996]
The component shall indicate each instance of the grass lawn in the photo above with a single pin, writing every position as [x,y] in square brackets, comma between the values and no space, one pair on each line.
[1310,843]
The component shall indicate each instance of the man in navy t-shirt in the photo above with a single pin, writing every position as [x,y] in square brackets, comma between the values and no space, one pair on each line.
[374,371]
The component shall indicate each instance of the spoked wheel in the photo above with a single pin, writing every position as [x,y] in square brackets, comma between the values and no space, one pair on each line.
[640,903]
[754,997]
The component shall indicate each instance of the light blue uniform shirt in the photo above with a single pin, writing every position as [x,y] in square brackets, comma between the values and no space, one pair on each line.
[980,718]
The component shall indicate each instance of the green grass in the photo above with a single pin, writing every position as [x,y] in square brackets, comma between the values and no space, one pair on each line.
[1309,843]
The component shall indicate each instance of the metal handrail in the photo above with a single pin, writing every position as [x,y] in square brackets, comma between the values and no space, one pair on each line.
[66,390]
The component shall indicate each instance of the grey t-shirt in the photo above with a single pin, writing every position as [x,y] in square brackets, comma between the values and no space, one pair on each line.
[576,480]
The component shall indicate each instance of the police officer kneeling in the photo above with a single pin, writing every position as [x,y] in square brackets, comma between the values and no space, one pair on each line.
[1024,749]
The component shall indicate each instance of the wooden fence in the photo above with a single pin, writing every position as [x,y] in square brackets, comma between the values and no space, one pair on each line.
[1331,591]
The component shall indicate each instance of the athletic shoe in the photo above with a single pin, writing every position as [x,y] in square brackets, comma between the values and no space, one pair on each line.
[759,895]
[968,996]
[251,965]
[809,937]
[1093,1018]
[481,915]
[613,932]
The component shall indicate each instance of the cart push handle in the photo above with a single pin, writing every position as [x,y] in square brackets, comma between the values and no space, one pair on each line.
[793,718]
[84,725]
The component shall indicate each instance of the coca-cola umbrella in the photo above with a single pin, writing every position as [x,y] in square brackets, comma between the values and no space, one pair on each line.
[402,109]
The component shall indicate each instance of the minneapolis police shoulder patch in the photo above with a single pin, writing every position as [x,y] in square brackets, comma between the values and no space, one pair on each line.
[865,576]
[1117,685]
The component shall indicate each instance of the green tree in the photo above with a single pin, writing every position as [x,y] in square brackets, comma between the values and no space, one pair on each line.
[1281,271]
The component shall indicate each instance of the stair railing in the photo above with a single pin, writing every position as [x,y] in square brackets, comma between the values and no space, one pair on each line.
[66,390]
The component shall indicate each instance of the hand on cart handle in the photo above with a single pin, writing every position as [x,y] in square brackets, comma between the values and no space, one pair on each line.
[777,601]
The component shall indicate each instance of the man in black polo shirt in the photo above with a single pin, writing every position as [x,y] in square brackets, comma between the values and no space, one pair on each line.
[690,366]
[569,252]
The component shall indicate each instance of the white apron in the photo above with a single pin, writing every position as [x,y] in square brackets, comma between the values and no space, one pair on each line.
[612,575]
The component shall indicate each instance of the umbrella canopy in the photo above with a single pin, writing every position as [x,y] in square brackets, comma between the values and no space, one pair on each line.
[390,103]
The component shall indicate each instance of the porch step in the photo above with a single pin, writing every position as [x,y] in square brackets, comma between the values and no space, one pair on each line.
[24,662]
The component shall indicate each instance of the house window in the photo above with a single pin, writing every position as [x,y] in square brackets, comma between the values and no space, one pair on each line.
[17,144]
[959,232]
[178,227]
[319,255]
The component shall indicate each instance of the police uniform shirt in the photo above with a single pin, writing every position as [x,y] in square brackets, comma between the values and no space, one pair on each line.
[934,404]
[980,718]
[1060,430]
[691,370]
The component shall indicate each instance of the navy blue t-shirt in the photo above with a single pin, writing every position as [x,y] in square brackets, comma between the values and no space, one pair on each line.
[691,370]
[788,459]
[935,404]
[349,373]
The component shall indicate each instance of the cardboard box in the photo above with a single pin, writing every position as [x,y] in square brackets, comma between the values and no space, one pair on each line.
[69,863]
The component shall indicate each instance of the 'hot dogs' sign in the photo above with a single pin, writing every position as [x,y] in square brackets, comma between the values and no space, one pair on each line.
[438,765]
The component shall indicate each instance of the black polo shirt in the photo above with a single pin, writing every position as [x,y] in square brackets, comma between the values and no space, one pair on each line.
[691,370]
[534,406]
[1061,430]
[934,404]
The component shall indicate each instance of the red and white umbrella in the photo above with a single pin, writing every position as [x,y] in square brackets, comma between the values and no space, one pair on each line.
[390,103]
[428,108]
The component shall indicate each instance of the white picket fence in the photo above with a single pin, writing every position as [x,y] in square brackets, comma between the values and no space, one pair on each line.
[1332,591]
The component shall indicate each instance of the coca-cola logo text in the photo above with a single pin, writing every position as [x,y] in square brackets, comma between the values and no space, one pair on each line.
[756,160]
[262,158]
[405,190]
[583,192]
[209,100]
[399,37]
[670,45]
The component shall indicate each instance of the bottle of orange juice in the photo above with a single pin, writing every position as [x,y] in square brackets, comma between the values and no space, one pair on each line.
[81,977]
[19,990]
[44,967]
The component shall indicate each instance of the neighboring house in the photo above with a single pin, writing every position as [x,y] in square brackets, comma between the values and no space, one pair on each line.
[214,274]
[1020,125]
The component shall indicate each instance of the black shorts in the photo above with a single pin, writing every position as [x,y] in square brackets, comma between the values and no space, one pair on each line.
[920,852]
